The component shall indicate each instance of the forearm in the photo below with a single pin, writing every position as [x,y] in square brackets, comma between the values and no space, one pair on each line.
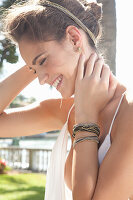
[13,85]
[84,168]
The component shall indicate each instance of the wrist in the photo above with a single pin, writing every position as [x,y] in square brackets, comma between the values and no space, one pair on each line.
[86,119]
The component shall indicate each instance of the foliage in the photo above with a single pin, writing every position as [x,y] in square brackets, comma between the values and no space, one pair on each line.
[21,101]
[2,166]
[7,49]
[22,186]
[7,52]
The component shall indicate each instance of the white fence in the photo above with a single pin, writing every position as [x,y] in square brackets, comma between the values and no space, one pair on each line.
[26,158]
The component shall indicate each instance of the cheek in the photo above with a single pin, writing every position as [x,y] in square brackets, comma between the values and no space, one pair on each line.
[63,63]
[56,63]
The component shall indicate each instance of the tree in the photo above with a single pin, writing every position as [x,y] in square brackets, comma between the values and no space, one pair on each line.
[7,49]
[21,101]
[109,32]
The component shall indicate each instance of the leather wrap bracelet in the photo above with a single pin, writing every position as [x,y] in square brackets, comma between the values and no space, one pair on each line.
[91,127]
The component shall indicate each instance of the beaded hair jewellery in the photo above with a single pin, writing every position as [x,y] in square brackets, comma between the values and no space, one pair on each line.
[73,17]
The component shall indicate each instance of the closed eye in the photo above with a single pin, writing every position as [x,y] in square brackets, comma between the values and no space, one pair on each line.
[42,61]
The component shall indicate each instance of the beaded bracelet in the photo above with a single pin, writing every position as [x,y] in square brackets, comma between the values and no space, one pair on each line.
[92,138]
[91,127]
[31,69]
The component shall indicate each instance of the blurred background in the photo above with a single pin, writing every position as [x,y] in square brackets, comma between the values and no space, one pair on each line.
[32,153]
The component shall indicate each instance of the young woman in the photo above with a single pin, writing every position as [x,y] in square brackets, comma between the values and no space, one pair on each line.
[58,42]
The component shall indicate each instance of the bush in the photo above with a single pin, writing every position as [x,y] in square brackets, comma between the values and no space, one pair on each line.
[2,166]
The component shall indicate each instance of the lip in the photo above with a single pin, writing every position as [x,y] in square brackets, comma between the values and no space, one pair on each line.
[56,79]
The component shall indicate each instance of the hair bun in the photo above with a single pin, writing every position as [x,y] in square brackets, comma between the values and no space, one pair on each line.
[95,8]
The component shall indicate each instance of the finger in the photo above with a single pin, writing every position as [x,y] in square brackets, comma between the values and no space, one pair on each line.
[80,71]
[90,65]
[98,68]
[105,74]
[112,85]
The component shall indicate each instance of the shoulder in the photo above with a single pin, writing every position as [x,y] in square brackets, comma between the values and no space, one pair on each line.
[117,164]
[124,127]
[58,107]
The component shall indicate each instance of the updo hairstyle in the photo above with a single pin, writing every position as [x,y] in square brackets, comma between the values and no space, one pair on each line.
[41,23]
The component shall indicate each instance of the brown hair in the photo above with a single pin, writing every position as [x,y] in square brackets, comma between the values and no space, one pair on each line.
[41,23]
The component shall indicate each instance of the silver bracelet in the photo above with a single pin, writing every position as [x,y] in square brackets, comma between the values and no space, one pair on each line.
[92,138]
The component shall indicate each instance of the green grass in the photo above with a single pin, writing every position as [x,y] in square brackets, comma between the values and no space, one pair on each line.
[22,187]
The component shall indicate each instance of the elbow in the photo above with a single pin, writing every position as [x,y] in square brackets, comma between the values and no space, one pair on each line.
[82,191]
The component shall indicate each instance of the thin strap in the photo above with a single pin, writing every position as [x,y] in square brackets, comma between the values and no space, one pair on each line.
[69,113]
[116,113]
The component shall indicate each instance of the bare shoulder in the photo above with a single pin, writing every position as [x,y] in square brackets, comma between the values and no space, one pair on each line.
[59,107]
[116,168]
[125,119]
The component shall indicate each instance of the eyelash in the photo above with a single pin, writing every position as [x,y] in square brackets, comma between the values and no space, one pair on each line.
[41,63]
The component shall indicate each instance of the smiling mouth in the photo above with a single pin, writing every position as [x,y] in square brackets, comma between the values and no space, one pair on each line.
[58,81]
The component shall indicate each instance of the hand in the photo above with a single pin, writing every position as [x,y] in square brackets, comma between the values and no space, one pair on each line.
[94,89]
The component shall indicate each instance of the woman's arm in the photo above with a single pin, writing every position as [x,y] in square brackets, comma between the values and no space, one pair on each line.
[115,177]
[13,85]
[32,119]
[93,91]
[85,163]
[84,169]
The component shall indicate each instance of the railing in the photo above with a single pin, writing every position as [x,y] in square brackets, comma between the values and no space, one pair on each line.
[26,158]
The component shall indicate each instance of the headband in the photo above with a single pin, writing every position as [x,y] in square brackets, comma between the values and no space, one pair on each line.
[67,12]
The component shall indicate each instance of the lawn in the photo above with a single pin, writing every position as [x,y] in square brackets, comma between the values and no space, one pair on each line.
[22,186]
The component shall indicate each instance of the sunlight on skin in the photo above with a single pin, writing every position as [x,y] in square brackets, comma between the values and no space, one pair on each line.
[123,57]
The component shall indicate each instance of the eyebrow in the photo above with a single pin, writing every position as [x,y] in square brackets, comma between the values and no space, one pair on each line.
[35,59]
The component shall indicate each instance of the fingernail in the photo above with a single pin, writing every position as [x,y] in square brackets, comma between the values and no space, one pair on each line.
[83,55]
[93,54]
[107,65]
[100,56]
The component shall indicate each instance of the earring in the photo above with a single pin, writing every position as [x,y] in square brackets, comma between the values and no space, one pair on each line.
[79,50]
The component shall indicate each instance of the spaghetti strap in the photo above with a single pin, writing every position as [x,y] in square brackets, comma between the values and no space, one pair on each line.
[116,113]
[69,113]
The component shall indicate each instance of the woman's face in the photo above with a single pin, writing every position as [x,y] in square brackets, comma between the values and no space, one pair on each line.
[56,59]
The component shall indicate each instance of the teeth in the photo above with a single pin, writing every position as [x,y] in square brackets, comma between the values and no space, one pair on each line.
[57,82]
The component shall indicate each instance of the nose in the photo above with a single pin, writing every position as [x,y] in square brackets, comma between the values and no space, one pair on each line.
[43,79]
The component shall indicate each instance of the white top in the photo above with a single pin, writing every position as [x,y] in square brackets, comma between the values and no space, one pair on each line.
[55,183]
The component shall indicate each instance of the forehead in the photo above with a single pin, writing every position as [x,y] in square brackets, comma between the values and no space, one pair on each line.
[30,49]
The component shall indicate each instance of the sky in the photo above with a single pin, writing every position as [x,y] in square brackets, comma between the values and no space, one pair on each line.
[124,65]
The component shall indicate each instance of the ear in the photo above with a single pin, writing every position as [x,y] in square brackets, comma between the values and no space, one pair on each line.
[74,36]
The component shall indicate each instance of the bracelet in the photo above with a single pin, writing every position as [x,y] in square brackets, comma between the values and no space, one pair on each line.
[31,69]
[92,138]
[86,135]
[91,127]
